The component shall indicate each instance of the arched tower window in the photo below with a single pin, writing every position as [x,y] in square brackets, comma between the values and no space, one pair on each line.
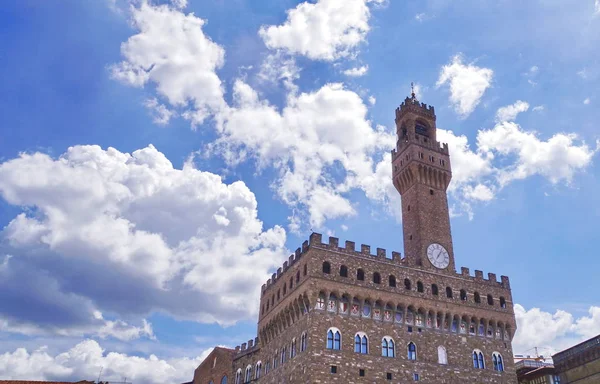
[360,274]
[434,289]
[303,342]
[442,356]
[361,343]
[412,351]
[498,362]
[502,302]
[334,339]
[392,281]
[407,284]
[224,380]
[305,269]
[297,276]
[344,271]
[326,267]
[257,370]
[238,376]
[477,297]
[478,361]
[388,348]
[376,278]
[420,287]
[463,295]
[248,375]
[490,300]
[449,292]
[421,128]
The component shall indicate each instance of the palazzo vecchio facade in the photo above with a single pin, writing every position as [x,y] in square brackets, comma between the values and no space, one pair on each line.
[338,313]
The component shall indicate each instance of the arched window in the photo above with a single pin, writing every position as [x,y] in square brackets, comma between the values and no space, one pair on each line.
[477,297]
[434,289]
[463,295]
[283,354]
[376,278]
[361,343]
[449,292]
[224,380]
[326,267]
[502,302]
[305,269]
[387,347]
[257,370]
[478,361]
[248,375]
[344,271]
[211,382]
[275,360]
[498,362]
[392,281]
[407,284]
[238,376]
[442,356]
[420,287]
[293,349]
[297,276]
[284,289]
[334,339]
[360,274]
[490,300]
[303,342]
[291,282]
[412,351]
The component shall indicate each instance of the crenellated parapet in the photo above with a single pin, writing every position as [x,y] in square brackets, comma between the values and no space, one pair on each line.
[380,255]
[414,106]
[246,348]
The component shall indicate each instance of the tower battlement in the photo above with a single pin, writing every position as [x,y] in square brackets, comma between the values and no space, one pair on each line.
[413,105]
[380,256]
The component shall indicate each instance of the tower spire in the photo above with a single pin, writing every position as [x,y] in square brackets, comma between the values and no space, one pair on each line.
[412,90]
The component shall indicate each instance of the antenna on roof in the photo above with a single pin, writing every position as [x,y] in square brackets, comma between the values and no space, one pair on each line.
[412,90]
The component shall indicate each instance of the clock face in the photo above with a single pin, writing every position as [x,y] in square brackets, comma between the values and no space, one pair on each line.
[438,256]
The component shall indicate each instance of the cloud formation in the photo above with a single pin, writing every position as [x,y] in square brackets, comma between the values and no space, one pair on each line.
[467,83]
[552,332]
[128,234]
[85,360]
[324,30]
[510,112]
[357,71]
[171,52]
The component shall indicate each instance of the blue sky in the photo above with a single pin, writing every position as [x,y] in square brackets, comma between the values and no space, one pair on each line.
[159,159]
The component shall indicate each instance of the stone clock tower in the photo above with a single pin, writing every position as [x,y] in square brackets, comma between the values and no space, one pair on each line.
[421,173]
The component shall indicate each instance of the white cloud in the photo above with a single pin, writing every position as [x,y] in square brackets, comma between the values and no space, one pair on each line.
[552,332]
[534,69]
[467,84]
[506,153]
[171,52]
[98,327]
[324,30]
[372,100]
[538,108]
[556,159]
[162,114]
[178,241]
[597,7]
[321,143]
[280,67]
[357,72]
[86,359]
[586,101]
[510,112]
[420,17]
